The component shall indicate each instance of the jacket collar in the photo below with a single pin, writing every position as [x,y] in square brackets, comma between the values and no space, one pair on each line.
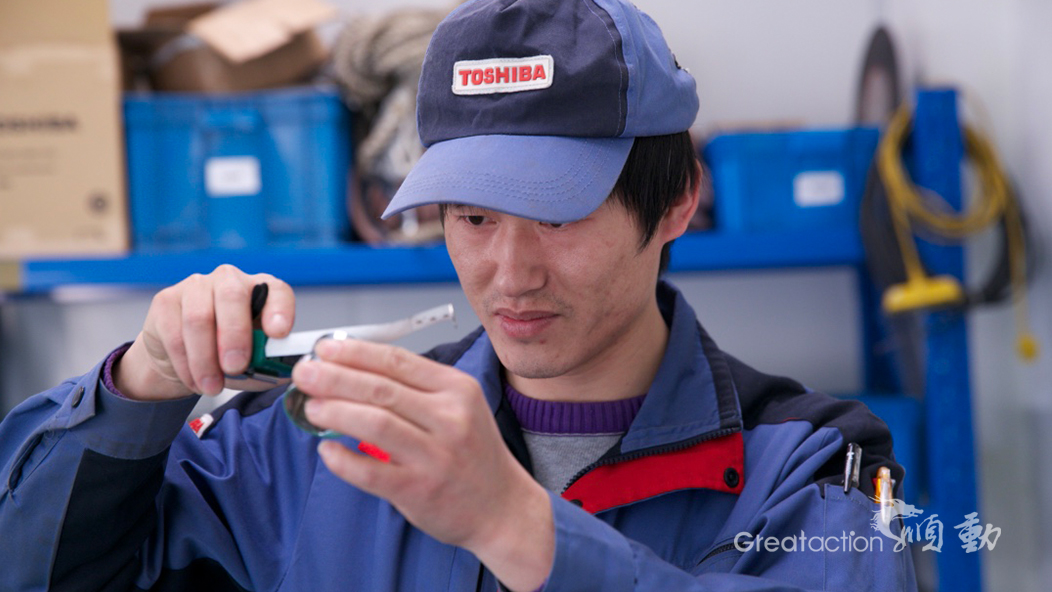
[692,395]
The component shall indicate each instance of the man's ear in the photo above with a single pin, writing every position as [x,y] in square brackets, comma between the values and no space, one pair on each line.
[680,213]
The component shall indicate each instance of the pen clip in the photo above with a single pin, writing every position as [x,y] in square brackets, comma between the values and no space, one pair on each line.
[884,486]
[852,465]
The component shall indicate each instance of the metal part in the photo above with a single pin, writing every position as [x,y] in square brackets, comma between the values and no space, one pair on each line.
[296,400]
[302,342]
[852,464]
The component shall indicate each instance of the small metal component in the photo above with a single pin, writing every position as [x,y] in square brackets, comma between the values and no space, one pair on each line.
[295,399]
[272,359]
[301,342]
[852,464]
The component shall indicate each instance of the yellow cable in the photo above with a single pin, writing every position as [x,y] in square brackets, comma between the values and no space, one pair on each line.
[994,201]
[897,187]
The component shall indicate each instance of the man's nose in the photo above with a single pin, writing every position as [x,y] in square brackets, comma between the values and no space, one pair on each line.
[519,259]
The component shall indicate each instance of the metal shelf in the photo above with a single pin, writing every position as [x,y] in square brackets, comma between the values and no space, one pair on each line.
[361,264]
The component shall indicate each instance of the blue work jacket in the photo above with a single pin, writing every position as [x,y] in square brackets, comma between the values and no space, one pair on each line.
[104,493]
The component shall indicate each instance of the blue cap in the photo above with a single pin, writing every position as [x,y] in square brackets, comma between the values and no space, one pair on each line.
[530,107]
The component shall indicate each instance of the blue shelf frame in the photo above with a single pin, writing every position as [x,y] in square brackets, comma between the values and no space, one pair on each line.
[361,264]
[934,159]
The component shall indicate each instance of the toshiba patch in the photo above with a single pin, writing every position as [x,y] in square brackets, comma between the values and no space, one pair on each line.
[502,75]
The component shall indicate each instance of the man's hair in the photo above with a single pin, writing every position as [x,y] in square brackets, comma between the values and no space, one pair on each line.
[659,169]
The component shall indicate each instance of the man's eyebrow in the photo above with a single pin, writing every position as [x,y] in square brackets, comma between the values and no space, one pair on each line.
[464,208]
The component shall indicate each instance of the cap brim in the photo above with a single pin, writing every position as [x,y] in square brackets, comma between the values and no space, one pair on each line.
[552,179]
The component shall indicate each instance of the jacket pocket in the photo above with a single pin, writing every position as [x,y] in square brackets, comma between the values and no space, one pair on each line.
[19,469]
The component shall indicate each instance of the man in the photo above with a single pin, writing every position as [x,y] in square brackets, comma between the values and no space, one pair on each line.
[589,436]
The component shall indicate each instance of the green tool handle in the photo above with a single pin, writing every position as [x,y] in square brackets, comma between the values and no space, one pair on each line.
[261,363]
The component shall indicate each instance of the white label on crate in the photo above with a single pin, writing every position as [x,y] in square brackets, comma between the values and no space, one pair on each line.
[227,176]
[818,188]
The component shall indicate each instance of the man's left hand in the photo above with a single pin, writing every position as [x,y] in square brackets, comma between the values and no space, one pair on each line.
[449,472]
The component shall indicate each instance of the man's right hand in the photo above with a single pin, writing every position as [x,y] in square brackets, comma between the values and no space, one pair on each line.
[198,330]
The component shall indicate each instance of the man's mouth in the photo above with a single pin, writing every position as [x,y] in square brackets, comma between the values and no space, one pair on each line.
[523,324]
[523,315]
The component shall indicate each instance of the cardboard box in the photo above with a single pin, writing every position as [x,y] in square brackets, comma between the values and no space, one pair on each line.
[61,154]
[250,45]
[137,46]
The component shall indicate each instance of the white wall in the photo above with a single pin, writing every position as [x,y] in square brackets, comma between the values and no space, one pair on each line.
[769,60]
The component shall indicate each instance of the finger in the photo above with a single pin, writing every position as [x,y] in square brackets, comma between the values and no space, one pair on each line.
[326,380]
[279,312]
[391,361]
[199,335]
[362,471]
[233,318]
[380,427]
[164,337]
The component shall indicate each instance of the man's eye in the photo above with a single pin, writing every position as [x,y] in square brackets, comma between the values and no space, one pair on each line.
[475,220]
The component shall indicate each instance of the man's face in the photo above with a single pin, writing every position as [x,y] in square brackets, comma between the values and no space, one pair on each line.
[555,300]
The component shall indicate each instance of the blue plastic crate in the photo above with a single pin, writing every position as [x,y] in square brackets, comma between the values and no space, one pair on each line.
[246,170]
[793,180]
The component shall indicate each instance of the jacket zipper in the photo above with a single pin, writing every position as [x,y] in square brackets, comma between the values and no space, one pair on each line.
[650,452]
[721,549]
